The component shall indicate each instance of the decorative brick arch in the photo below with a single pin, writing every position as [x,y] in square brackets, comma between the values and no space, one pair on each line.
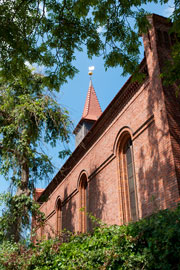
[56,202]
[126,172]
[79,178]
[82,187]
[119,136]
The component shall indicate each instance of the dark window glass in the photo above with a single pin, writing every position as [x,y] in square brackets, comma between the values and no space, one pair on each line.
[83,186]
[59,217]
[166,40]
[159,37]
[173,38]
[130,175]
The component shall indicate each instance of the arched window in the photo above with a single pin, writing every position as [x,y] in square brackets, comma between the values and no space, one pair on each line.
[42,232]
[127,179]
[59,217]
[130,177]
[82,193]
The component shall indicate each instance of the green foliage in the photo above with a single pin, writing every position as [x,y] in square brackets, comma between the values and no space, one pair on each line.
[151,243]
[48,34]
[171,73]
[29,118]
[158,237]
[17,208]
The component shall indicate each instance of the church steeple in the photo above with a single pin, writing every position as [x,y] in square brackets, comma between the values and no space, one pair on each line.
[92,109]
[91,113]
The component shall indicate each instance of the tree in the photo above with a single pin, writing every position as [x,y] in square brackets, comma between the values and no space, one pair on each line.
[48,33]
[29,116]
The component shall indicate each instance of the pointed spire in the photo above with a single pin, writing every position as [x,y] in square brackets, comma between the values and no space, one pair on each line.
[91,113]
[92,109]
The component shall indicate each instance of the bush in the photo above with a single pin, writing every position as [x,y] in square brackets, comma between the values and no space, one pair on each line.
[151,243]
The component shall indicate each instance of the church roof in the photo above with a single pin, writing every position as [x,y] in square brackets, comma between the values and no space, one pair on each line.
[92,110]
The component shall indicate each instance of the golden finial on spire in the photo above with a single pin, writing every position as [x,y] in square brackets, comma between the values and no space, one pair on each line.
[91,71]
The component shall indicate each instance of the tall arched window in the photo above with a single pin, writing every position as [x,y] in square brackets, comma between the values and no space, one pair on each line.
[127,179]
[82,193]
[59,217]
[42,232]
[130,177]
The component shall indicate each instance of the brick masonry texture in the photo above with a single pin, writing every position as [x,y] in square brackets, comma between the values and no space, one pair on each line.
[150,113]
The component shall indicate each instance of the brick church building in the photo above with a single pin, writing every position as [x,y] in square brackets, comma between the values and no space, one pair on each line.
[126,163]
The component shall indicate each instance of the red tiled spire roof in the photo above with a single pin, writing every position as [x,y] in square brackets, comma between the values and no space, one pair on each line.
[92,109]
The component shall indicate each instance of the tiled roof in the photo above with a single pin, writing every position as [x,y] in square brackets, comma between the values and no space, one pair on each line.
[92,109]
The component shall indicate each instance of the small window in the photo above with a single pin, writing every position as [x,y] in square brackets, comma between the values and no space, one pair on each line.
[166,40]
[43,235]
[127,180]
[173,38]
[59,217]
[82,192]
[130,176]
[159,37]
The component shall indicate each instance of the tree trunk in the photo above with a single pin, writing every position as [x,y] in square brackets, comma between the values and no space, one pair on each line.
[22,213]
[23,187]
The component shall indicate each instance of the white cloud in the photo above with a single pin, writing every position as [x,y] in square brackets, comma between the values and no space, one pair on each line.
[35,68]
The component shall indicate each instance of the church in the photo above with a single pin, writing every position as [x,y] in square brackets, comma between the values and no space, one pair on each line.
[126,164]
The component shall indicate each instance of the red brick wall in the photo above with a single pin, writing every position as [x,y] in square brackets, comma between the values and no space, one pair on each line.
[157,55]
[173,114]
[146,117]
[172,98]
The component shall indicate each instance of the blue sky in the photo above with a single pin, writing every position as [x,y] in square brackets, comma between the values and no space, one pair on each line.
[73,94]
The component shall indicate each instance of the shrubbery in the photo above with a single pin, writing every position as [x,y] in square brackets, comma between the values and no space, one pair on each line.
[151,243]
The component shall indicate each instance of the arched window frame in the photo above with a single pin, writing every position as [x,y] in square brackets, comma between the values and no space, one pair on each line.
[124,181]
[42,231]
[58,216]
[83,202]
